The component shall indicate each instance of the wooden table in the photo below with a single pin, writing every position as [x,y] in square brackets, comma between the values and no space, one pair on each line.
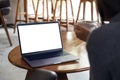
[71,44]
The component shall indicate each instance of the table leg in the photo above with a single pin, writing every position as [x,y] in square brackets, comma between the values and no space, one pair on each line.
[29,73]
[62,76]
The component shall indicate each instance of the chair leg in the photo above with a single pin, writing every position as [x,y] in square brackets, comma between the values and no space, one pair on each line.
[53,6]
[72,12]
[36,11]
[67,15]
[97,11]
[25,13]
[84,6]
[92,10]
[43,11]
[66,8]
[5,27]
[78,11]
[17,14]
[33,5]
[61,11]
[45,6]
[47,10]
[54,18]
[26,10]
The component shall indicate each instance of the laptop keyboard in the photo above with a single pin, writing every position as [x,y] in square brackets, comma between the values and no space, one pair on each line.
[44,56]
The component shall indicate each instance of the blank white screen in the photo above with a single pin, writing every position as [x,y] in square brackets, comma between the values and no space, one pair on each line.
[39,37]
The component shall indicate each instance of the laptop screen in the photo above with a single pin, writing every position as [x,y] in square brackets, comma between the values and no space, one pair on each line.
[39,37]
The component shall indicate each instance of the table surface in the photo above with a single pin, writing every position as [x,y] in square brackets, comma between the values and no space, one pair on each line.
[71,44]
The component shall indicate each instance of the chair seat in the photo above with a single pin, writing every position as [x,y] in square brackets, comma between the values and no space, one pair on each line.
[5,10]
[84,28]
[5,7]
[42,74]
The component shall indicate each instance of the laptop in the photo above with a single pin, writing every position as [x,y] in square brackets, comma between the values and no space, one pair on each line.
[41,44]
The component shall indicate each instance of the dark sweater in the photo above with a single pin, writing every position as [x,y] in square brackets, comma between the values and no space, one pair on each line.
[103,48]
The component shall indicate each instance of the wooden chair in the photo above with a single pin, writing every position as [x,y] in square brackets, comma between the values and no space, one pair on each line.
[67,19]
[35,8]
[24,13]
[84,7]
[4,10]
[43,10]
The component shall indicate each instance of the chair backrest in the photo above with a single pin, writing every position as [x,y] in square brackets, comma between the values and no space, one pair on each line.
[5,6]
[4,3]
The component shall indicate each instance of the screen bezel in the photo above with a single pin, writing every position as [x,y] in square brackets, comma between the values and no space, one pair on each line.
[46,51]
